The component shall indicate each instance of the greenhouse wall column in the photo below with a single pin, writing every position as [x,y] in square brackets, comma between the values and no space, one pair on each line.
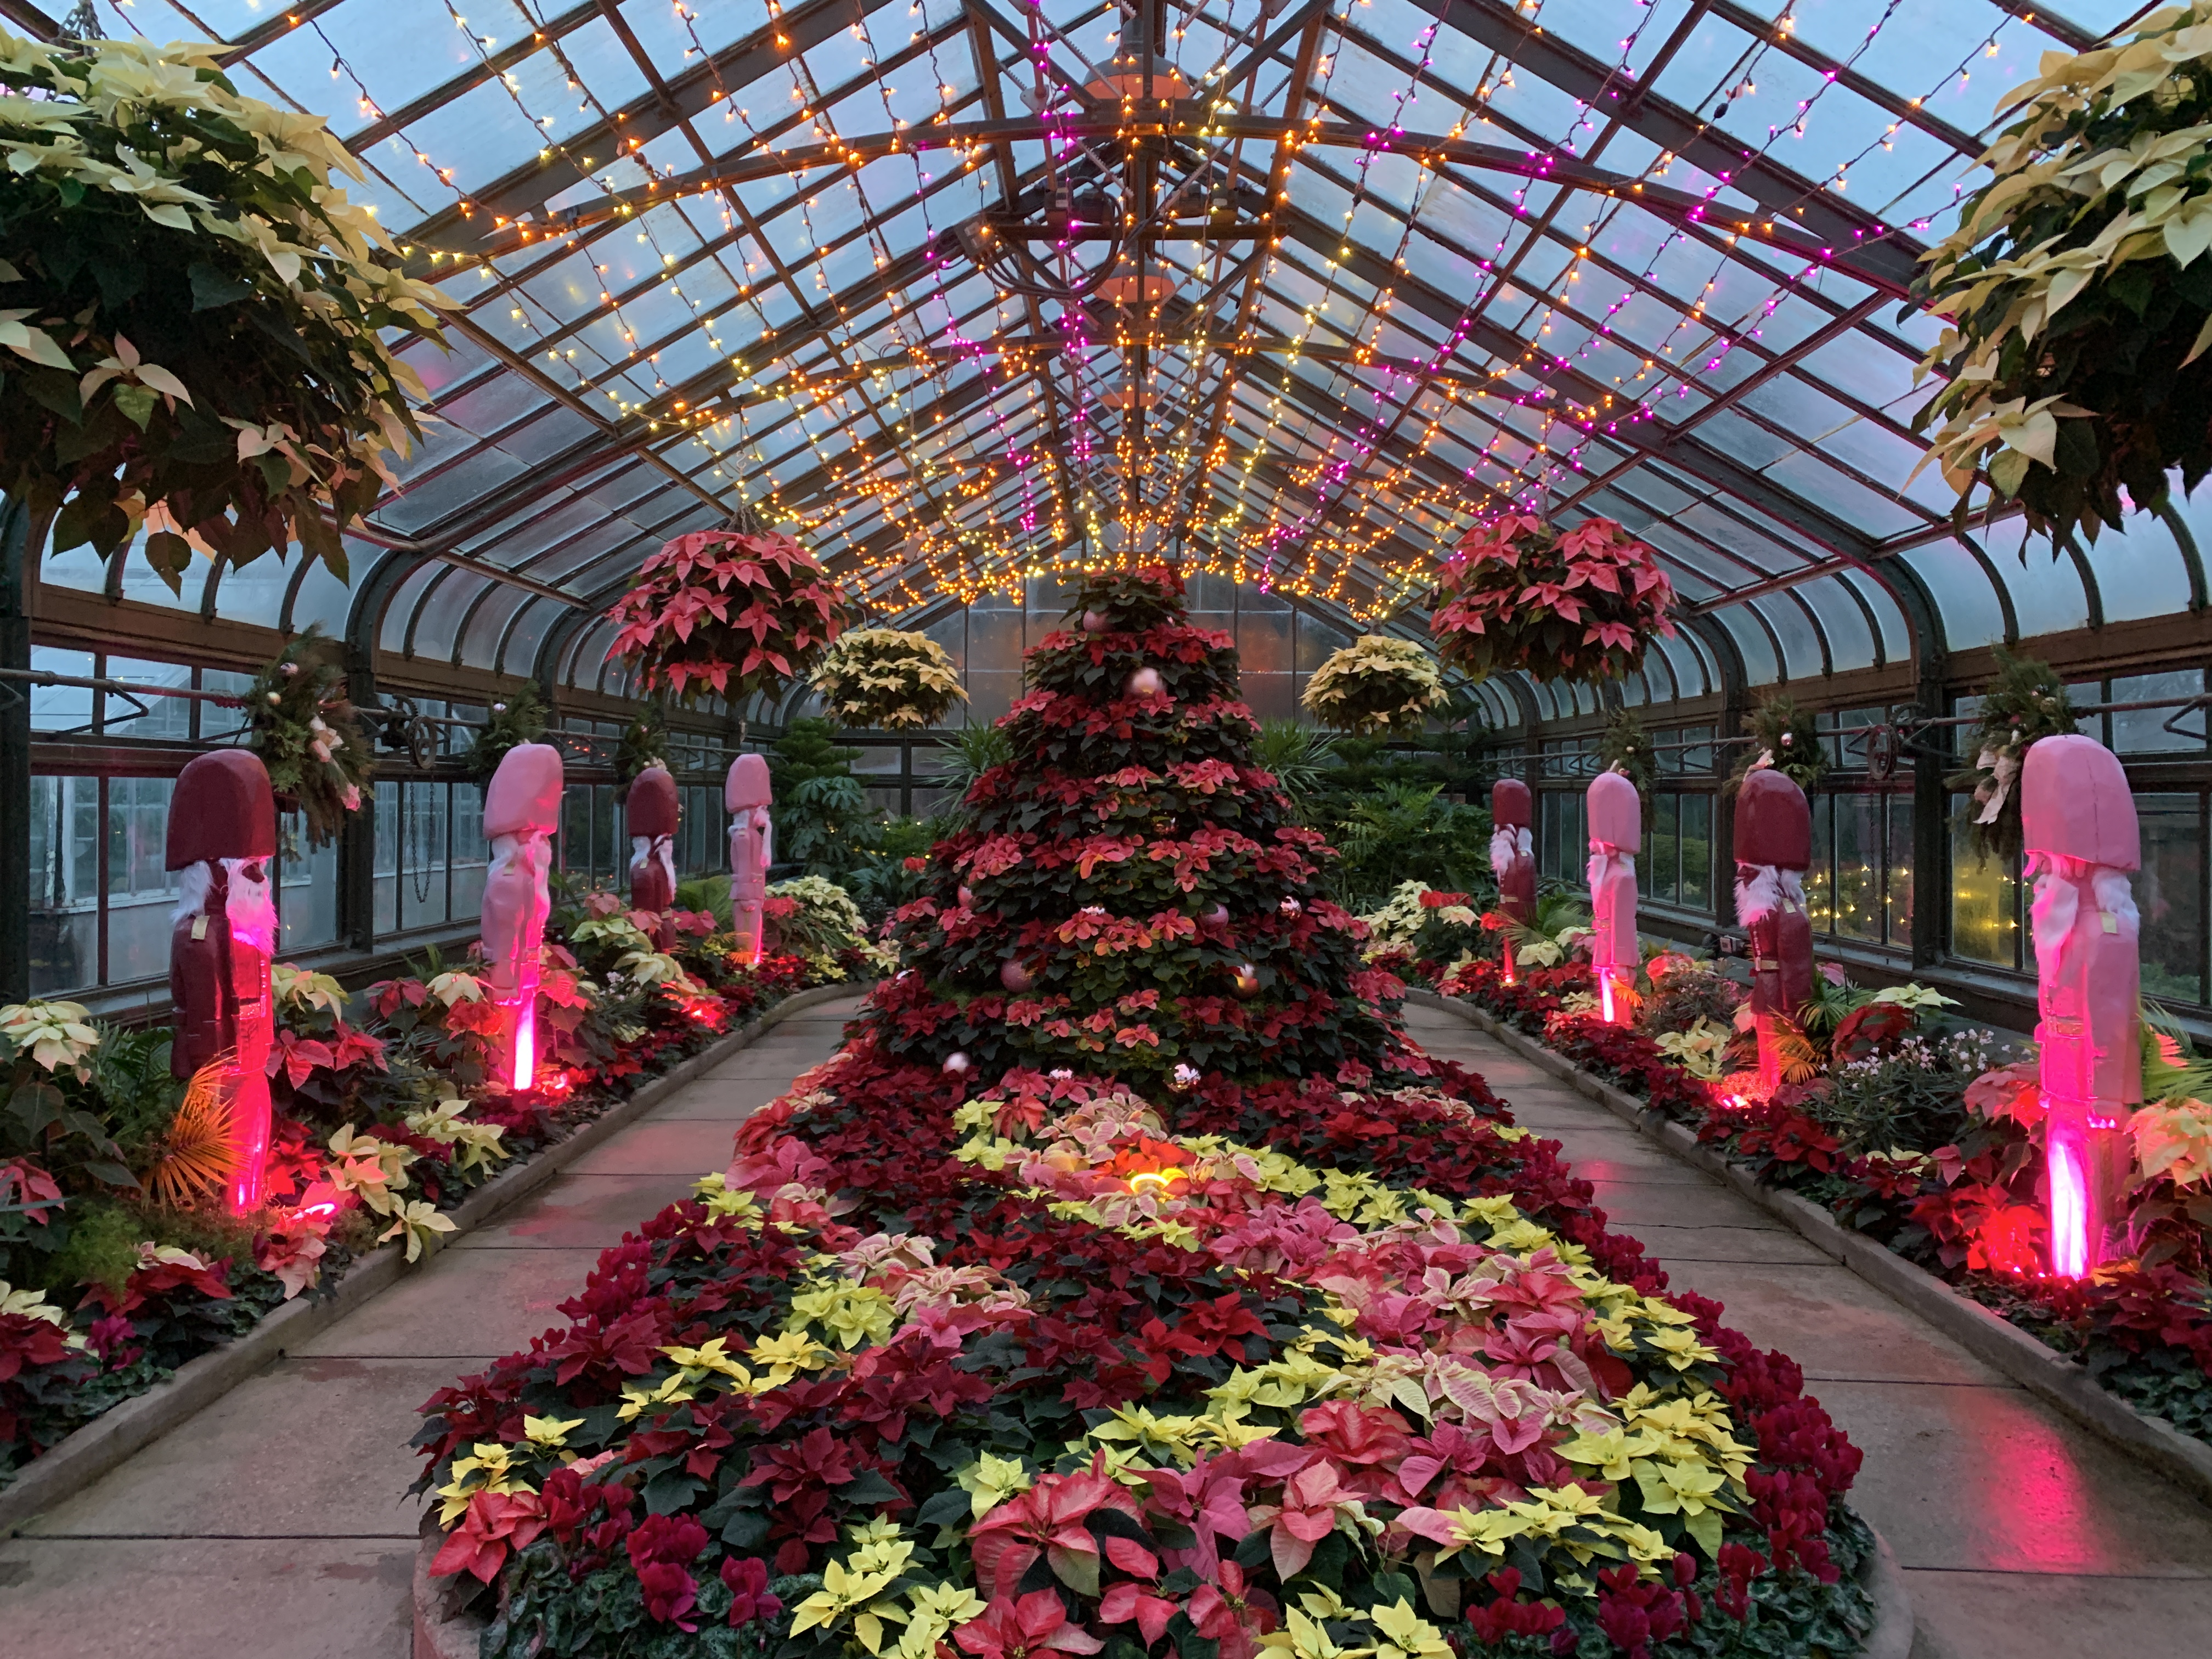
[20,538]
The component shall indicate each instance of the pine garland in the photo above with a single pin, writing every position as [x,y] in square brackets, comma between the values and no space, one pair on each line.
[2026,702]
[517,719]
[1783,735]
[299,721]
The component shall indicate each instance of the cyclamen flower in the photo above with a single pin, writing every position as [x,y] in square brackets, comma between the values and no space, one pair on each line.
[749,1594]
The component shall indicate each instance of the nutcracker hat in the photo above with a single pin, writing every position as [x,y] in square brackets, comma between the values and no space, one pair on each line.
[525,792]
[651,807]
[2074,803]
[747,786]
[1773,822]
[1511,806]
[1616,812]
[224,808]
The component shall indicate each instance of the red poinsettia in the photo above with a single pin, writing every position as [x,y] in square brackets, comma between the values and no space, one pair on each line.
[1581,603]
[722,611]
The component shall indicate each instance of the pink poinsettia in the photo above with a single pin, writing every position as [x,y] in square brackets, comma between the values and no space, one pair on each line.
[1580,604]
[725,611]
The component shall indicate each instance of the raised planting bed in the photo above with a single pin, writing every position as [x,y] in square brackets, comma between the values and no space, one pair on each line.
[136,1420]
[1784,1161]
[1130,1285]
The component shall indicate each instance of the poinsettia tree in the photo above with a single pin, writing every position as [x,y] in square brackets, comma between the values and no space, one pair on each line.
[729,611]
[1130,894]
[1582,604]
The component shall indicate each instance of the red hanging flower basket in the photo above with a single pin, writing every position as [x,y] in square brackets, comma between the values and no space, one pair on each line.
[729,612]
[1581,603]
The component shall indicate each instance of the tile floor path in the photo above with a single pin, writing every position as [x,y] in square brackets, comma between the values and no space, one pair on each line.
[274,1525]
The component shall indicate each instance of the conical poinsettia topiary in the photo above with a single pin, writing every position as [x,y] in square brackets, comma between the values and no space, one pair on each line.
[1131,896]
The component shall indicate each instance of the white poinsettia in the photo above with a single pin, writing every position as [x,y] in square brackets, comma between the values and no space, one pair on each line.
[882,677]
[1376,684]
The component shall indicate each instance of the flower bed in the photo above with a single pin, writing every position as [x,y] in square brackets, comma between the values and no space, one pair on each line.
[1130,1283]
[124,1267]
[1970,1210]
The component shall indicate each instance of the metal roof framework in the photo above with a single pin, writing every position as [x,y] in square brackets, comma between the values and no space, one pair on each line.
[1429,258]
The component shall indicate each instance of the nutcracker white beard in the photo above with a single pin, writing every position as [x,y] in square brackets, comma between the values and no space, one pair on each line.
[250,907]
[1760,889]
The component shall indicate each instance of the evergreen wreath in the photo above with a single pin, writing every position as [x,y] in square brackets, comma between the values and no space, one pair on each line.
[891,681]
[300,722]
[644,743]
[1580,605]
[1374,685]
[513,721]
[1784,736]
[1624,747]
[2026,702]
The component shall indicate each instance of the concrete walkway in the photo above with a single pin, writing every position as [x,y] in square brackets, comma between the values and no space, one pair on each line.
[2022,1535]
[276,1523]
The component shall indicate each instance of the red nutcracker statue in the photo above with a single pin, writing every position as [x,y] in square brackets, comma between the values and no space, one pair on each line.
[651,807]
[1616,837]
[223,833]
[1512,858]
[2078,820]
[746,793]
[1773,850]
[521,809]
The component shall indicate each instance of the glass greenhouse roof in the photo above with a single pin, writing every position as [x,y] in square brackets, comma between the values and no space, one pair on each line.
[980,290]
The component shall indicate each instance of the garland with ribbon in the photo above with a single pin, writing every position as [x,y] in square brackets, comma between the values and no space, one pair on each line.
[2026,702]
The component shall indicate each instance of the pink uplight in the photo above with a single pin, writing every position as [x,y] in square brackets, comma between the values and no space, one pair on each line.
[525,1047]
[1605,999]
[2069,1206]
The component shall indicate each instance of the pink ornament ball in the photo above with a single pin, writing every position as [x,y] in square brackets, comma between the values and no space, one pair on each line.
[1094,621]
[1218,915]
[1246,984]
[967,899]
[1015,977]
[1145,683]
[956,1064]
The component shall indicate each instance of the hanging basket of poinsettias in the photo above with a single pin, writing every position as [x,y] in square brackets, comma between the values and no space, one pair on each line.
[729,612]
[890,681]
[1376,684]
[1581,603]
[2073,374]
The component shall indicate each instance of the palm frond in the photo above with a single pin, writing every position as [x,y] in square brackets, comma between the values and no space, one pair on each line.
[197,1156]
[2171,1068]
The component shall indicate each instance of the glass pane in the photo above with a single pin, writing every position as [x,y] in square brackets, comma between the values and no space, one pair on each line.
[141,894]
[64,882]
[2170,895]
[387,859]
[1663,849]
[1985,902]
[309,896]
[1820,892]
[424,821]
[61,707]
[1900,870]
[1697,852]
[169,718]
[2143,731]
[1858,865]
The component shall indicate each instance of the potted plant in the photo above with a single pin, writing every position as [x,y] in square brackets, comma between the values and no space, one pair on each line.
[201,335]
[730,612]
[1376,684]
[881,677]
[2076,291]
[1582,604]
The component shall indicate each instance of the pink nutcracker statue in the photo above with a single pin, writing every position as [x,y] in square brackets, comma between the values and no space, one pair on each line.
[1616,837]
[521,809]
[752,849]
[1512,858]
[2078,820]
[223,833]
[651,808]
[1773,850]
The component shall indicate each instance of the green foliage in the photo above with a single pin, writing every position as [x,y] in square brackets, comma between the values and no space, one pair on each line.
[644,743]
[515,719]
[206,330]
[1912,1098]
[1297,755]
[1625,747]
[1409,832]
[104,1236]
[1687,993]
[2026,702]
[1784,734]
[881,882]
[299,721]
[2077,291]
[823,821]
[708,893]
[966,755]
